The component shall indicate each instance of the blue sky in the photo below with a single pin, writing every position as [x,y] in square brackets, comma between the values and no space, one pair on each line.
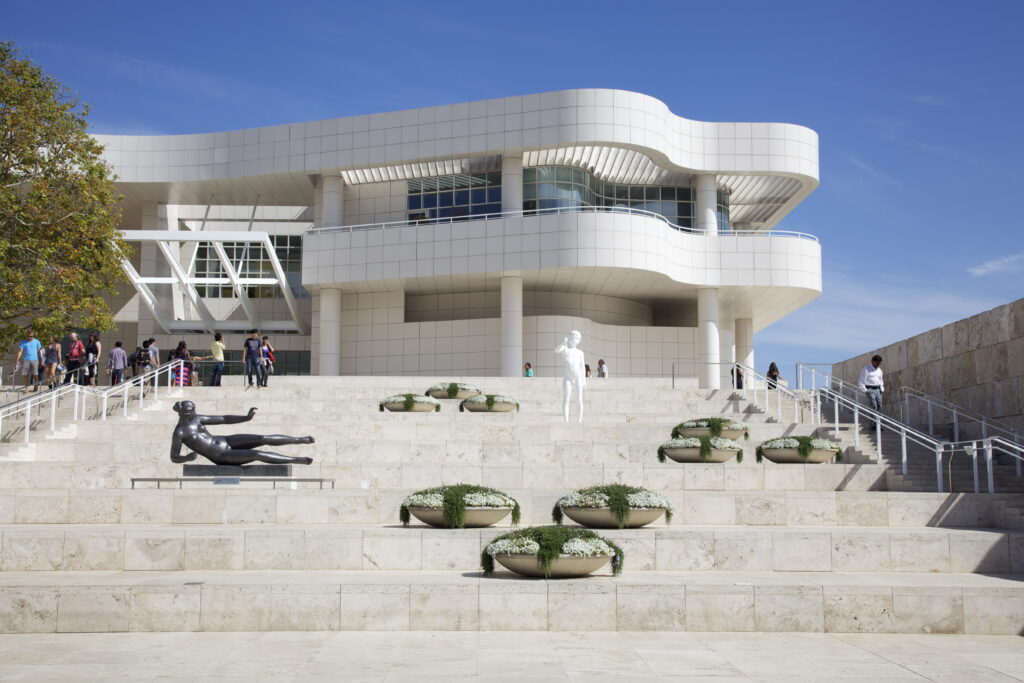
[917,104]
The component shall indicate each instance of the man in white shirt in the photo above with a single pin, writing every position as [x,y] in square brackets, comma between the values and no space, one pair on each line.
[872,384]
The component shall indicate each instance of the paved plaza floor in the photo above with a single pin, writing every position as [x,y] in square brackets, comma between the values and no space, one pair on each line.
[423,657]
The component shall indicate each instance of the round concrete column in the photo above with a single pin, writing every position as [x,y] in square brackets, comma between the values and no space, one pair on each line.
[512,183]
[707,204]
[710,376]
[511,325]
[330,332]
[333,201]
[745,341]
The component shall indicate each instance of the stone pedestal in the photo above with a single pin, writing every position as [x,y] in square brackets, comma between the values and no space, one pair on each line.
[237,471]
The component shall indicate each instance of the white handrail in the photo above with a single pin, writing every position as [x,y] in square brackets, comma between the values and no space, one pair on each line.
[768,385]
[81,395]
[824,379]
[989,426]
[557,210]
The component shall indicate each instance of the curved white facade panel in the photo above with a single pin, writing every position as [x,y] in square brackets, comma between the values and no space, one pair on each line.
[588,252]
[597,206]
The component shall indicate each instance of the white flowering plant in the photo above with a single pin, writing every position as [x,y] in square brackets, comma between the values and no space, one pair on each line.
[451,390]
[803,445]
[454,500]
[618,498]
[550,542]
[408,401]
[706,444]
[490,400]
[714,424]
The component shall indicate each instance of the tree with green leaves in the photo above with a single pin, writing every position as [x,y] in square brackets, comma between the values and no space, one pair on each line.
[59,209]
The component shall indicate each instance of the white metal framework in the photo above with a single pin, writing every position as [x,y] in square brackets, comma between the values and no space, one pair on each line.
[239,283]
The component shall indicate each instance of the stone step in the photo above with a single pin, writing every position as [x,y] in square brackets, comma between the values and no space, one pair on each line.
[501,468]
[33,602]
[418,547]
[375,506]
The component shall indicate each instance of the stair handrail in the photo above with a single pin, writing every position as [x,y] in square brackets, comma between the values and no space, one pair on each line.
[768,385]
[825,379]
[990,446]
[81,394]
[988,424]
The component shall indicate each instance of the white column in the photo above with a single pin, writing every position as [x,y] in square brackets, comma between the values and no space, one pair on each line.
[745,341]
[511,183]
[707,338]
[707,204]
[330,332]
[511,325]
[332,207]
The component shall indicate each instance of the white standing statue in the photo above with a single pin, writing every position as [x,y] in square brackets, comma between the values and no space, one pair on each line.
[573,372]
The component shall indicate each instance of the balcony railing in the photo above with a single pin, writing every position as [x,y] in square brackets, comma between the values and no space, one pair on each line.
[559,210]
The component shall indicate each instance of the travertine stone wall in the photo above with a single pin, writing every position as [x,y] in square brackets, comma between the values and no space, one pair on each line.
[977,362]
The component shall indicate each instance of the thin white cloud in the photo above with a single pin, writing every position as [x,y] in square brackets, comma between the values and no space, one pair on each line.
[1005,264]
[875,174]
[856,315]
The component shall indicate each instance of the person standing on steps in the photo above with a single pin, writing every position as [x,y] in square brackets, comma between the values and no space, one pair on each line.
[251,358]
[602,368]
[872,383]
[773,375]
[217,354]
[76,354]
[117,361]
[527,370]
[30,351]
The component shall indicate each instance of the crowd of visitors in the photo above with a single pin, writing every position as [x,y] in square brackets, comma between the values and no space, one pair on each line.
[81,362]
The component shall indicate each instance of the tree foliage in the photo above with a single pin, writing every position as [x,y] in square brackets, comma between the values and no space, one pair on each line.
[59,208]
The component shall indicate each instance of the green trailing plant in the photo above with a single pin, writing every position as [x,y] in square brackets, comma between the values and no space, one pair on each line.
[549,542]
[706,444]
[489,400]
[803,445]
[715,424]
[618,498]
[408,401]
[453,500]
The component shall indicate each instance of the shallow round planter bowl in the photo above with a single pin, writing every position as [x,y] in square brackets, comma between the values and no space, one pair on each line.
[693,454]
[482,407]
[475,517]
[562,567]
[602,518]
[785,456]
[734,434]
[417,407]
[462,395]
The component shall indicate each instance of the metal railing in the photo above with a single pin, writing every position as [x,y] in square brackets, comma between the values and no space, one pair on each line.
[958,415]
[909,434]
[136,387]
[555,211]
[752,384]
[809,377]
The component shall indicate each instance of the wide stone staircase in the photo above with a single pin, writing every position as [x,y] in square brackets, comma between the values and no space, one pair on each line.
[753,546]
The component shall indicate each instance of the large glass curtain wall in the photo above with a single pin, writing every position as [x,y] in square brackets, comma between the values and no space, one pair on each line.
[552,187]
[453,196]
[251,260]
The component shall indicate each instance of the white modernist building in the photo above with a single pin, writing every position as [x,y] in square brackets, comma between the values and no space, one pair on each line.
[469,238]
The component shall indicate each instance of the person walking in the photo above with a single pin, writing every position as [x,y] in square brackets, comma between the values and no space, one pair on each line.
[251,357]
[266,360]
[76,354]
[872,384]
[773,375]
[737,376]
[30,352]
[217,355]
[93,352]
[183,373]
[117,361]
[51,359]
[527,370]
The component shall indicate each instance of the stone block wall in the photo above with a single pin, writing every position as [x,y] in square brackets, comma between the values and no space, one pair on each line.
[977,362]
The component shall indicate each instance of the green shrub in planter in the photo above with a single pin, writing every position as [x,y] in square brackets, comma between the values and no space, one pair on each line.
[705,443]
[454,499]
[803,445]
[451,390]
[548,543]
[408,400]
[618,498]
[714,424]
[490,400]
